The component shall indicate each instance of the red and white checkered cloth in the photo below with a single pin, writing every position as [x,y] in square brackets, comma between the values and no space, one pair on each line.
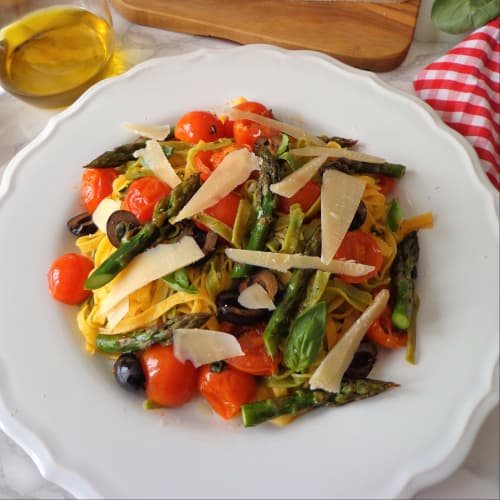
[463,86]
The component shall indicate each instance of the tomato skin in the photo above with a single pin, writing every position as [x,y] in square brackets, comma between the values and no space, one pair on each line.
[247,131]
[142,196]
[305,197]
[361,247]
[255,361]
[226,209]
[97,183]
[385,183]
[169,382]
[383,333]
[227,390]
[197,126]
[66,278]
[206,162]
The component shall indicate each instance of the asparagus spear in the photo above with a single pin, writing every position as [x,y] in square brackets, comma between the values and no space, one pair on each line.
[142,339]
[403,275]
[264,204]
[363,167]
[117,156]
[279,321]
[303,400]
[147,236]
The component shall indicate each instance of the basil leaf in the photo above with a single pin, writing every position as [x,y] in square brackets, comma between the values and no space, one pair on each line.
[179,281]
[394,215]
[306,336]
[458,16]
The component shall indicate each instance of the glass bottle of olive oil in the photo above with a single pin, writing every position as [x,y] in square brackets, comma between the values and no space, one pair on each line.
[50,56]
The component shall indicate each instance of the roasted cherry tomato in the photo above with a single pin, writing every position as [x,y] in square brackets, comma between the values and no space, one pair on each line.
[361,247]
[142,196]
[255,361]
[383,333]
[66,278]
[226,390]
[206,162]
[305,197]
[224,210]
[247,131]
[169,382]
[198,126]
[386,184]
[97,183]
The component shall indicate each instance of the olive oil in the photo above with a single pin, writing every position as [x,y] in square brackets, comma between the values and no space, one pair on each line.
[50,56]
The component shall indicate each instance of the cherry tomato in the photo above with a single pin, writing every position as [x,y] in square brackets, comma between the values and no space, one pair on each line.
[305,197]
[206,162]
[384,334]
[142,196]
[66,278]
[224,210]
[255,361]
[169,382]
[97,183]
[228,128]
[386,184]
[198,126]
[226,390]
[361,247]
[247,131]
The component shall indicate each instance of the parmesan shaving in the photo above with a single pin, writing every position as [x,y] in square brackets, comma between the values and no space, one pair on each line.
[204,346]
[117,314]
[154,158]
[336,153]
[256,297]
[101,214]
[299,178]
[287,128]
[340,197]
[282,262]
[157,132]
[329,373]
[233,170]
[149,266]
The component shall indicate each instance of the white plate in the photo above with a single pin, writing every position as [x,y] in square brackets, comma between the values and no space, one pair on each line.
[93,439]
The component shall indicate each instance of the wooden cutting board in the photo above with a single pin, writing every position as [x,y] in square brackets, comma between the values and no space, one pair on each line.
[373,36]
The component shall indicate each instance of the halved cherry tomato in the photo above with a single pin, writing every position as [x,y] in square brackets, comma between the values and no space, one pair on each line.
[169,382]
[305,197]
[226,390]
[97,183]
[142,196]
[386,184]
[255,361]
[384,334]
[66,278]
[361,247]
[247,131]
[206,162]
[197,126]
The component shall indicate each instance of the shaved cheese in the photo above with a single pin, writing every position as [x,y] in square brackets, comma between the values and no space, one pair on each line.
[256,297]
[154,158]
[158,132]
[287,128]
[117,314]
[283,261]
[297,179]
[329,373]
[103,211]
[340,197]
[204,346]
[233,170]
[149,266]
[336,153]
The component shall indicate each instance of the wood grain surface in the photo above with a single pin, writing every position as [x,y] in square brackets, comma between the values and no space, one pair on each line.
[373,36]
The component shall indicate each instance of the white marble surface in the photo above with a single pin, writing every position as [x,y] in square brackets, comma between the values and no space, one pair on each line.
[477,478]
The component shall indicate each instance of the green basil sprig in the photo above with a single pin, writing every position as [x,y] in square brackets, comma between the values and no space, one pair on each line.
[459,16]
[306,336]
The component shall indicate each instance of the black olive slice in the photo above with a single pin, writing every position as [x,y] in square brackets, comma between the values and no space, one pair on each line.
[229,309]
[119,224]
[359,217]
[81,224]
